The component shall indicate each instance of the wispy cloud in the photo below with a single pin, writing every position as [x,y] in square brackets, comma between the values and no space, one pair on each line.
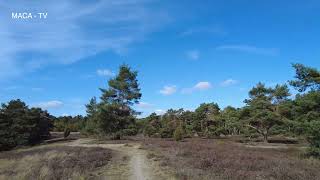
[160,111]
[228,82]
[203,30]
[249,49]
[49,104]
[168,90]
[193,54]
[144,105]
[203,85]
[105,72]
[73,30]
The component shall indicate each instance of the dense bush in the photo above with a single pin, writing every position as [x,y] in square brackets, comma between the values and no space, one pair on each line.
[178,134]
[130,131]
[314,139]
[20,125]
[166,133]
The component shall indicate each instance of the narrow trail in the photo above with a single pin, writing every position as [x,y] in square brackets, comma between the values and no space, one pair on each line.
[139,166]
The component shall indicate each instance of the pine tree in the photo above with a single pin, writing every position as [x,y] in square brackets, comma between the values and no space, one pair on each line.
[114,113]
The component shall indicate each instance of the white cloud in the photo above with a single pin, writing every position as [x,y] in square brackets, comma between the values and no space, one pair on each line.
[65,114]
[50,104]
[228,82]
[202,85]
[73,30]
[168,90]
[144,105]
[193,54]
[105,72]
[160,111]
[249,49]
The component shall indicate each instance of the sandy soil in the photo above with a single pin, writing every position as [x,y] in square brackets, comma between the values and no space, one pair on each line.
[130,163]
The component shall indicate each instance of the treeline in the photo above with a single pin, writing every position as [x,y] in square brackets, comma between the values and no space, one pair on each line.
[70,123]
[21,125]
[267,111]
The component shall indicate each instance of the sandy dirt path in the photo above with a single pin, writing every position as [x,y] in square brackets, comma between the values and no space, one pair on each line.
[139,166]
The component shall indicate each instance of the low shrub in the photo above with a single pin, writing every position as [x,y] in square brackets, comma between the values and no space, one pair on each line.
[178,134]
[166,133]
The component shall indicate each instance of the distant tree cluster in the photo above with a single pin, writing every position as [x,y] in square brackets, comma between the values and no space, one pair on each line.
[266,111]
[72,123]
[21,125]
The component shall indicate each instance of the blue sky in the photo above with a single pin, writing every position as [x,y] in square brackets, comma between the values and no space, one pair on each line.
[186,52]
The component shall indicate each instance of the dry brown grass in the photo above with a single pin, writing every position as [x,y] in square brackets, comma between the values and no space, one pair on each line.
[53,162]
[221,159]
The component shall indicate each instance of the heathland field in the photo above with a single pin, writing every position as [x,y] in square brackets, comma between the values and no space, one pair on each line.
[153,158]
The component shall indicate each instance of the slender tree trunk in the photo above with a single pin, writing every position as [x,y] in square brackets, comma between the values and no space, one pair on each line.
[265,137]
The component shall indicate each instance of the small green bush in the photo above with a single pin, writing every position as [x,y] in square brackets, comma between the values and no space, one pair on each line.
[149,130]
[131,130]
[178,134]
[166,133]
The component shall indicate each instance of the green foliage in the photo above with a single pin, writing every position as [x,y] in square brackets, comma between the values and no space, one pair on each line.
[230,117]
[74,124]
[149,130]
[131,130]
[306,77]
[20,125]
[205,114]
[153,125]
[178,133]
[306,108]
[263,107]
[91,126]
[314,138]
[268,110]
[113,115]
[166,132]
